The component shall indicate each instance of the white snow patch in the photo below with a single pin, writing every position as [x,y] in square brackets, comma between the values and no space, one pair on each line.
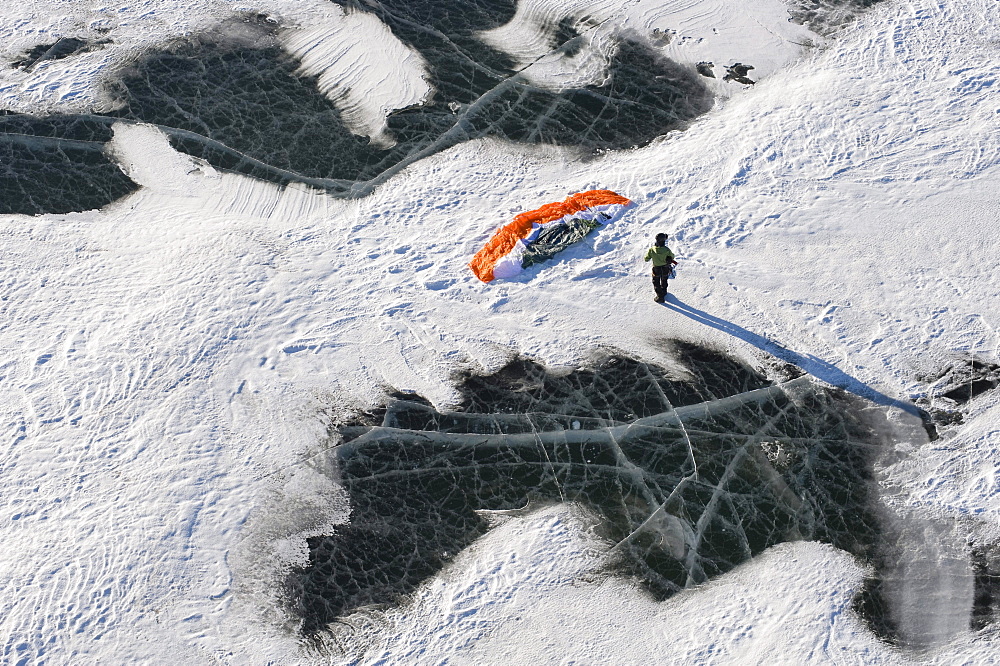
[957,476]
[119,33]
[527,593]
[362,67]
[757,33]
[144,153]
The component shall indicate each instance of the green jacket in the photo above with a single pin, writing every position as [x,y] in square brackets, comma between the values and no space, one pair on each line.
[660,254]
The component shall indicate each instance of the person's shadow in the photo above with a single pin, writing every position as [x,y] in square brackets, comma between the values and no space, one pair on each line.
[807,362]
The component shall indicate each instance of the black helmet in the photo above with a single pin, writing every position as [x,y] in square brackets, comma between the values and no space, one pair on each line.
[661,238]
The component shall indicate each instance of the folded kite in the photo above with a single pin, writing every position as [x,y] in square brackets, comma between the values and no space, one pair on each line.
[539,234]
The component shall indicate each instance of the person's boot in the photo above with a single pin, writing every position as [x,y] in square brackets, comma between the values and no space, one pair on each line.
[659,297]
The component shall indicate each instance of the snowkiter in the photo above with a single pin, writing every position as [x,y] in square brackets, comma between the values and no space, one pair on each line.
[663,262]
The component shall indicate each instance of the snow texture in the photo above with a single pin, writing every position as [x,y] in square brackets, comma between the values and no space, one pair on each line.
[177,361]
[687,479]
[360,46]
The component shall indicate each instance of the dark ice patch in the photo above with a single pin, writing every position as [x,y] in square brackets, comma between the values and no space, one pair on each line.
[645,95]
[738,72]
[566,38]
[63,47]
[931,583]
[825,17]
[966,379]
[986,599]
[57,164]
[688,477]
[967,391]
[243,108]
[872,604]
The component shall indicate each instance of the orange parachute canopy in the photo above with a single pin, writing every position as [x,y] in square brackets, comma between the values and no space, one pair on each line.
[508,239]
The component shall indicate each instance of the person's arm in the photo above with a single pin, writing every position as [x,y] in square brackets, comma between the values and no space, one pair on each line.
[649,255]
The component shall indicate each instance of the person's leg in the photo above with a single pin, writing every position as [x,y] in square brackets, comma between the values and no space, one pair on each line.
[659,283]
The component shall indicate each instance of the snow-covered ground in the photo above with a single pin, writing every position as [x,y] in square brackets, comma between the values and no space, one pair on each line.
[171,363]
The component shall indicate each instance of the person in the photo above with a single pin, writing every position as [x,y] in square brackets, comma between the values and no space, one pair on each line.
[663,262]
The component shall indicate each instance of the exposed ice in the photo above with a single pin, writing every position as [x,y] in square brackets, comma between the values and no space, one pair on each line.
[244,107]
[57,165]
[929,586]
[174,362]
[676,471]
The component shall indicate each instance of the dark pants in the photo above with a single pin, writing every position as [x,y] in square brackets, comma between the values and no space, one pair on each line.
[660,274]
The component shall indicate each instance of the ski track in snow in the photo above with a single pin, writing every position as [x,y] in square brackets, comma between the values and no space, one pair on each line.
[172,362]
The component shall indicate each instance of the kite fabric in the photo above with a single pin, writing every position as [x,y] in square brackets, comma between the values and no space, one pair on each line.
[539,234]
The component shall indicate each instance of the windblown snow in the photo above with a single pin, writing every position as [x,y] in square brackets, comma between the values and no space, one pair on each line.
[174,361]
[688,32]
[349,54]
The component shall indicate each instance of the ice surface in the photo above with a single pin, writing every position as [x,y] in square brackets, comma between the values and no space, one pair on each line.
[57,165]
[827,16]
[245,108]
[63,47]
[689,478]
[229,93]
[929,583]
[172,361]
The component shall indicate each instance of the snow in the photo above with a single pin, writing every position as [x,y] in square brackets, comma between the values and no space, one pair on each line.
[315,33]
[173,362]
[361,46]
[523,593]
[686,32]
